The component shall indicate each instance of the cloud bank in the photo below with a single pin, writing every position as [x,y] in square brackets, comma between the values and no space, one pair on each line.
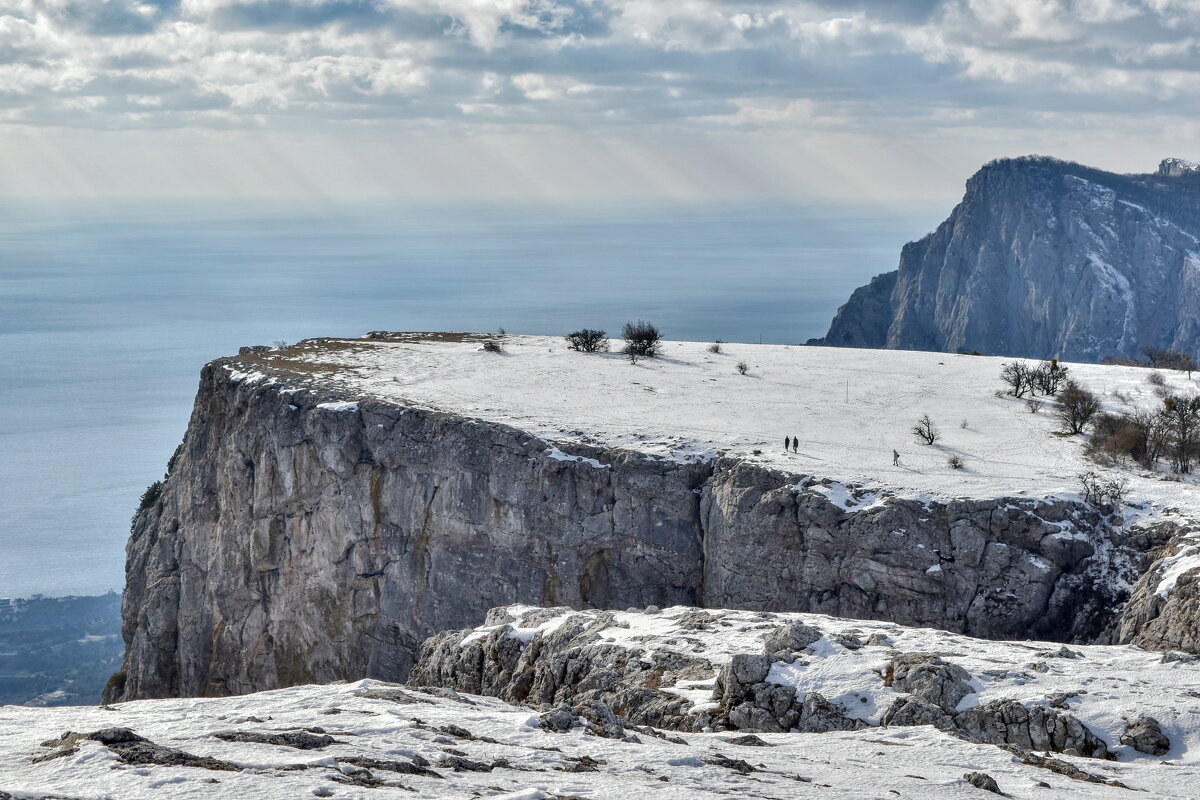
[915,81]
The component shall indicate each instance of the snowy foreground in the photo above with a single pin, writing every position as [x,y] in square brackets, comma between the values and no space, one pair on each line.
[850,408]
[481,747]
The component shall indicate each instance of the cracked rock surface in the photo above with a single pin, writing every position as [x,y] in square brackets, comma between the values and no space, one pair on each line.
[695,670]
[463,747]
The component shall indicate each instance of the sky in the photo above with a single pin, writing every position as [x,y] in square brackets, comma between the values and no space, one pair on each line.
[890,101]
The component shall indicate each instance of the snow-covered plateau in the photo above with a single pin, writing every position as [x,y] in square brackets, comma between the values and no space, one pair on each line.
[849,408]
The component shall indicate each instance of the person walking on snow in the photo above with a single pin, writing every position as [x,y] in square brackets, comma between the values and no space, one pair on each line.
[787,442]
[795,444]
[895,458]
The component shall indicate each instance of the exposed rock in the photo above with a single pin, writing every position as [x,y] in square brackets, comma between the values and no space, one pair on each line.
[132,749]
[790,639]
[915,711]
[403,767]
[1146,736]
[1061,767]
[1030,728]
[560,720]
[1044,258]
[1170,623]
[929,678]
[301,740]
[981,780]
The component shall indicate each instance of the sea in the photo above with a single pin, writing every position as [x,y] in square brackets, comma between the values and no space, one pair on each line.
[108,311]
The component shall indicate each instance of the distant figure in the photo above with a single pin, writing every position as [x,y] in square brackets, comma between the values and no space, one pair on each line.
[787,444]
[795,444]
[895,459]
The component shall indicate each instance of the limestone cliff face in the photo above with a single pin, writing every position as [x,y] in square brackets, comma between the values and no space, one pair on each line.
[1044,258]
[300,540]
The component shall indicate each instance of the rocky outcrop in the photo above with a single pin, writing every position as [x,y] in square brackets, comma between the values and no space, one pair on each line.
[1045,258]
[1146,736]
[301,537]
[657,668]
[1166,616]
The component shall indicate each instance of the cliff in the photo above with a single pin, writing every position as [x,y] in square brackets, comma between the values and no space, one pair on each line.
[322,518]
[1045,258]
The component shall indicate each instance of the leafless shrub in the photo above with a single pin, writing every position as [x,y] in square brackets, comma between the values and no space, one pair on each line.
[641,339]
[1033,404]
[1104,491]
[955,462]
[715,347]
[587,340]
[742,367]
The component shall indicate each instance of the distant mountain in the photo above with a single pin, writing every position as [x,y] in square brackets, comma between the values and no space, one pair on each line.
[1045,258]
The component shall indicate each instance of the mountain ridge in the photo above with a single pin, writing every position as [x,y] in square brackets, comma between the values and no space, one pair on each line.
[1045,258]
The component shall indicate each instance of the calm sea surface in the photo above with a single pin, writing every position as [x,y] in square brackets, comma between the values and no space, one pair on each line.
[106,316]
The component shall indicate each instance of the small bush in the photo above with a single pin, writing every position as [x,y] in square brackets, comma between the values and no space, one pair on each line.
[174,459]
[1156,379]
[742,367]
[279,344]
[641,339]
[587,340]
[149,498]
[493,346]
[715,347]
[955,462]
[1033,404]
[925,430]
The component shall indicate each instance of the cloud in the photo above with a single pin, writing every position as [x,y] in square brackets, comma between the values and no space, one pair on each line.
[612,68]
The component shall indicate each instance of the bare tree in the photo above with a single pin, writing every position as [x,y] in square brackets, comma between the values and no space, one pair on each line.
[925,430]
[1018,377]
[1182,415]
[1047,377]
[1075,406]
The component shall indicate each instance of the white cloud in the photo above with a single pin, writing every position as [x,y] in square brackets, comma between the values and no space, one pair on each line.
[592,70]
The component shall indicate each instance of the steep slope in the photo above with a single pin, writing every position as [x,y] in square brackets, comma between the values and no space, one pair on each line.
[336,502]
[1045,258]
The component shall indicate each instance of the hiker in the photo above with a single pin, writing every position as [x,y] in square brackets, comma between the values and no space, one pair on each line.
[787,444]
[895,459]
[795,444]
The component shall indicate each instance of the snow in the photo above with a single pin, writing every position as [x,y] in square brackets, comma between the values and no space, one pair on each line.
[849,407]
[1175,567]
[871,763]
[559,455]
[338,407]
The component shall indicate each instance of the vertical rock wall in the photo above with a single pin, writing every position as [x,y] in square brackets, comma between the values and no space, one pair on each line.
[298,540]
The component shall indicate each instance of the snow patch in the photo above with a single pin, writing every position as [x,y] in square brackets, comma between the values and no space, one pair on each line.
[1176,567]
[559,455]
[847,500]
[338,407]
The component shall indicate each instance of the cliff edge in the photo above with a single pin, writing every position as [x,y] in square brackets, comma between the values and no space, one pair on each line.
[1045,258]
[336,502]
